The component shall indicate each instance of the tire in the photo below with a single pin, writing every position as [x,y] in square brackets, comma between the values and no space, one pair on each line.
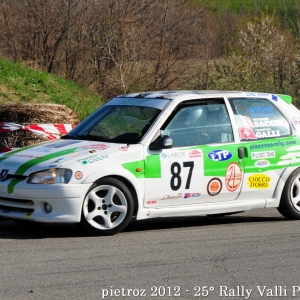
[107,207]
[289,205]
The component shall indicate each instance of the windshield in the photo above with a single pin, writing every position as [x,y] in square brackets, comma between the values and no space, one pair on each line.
[116,124]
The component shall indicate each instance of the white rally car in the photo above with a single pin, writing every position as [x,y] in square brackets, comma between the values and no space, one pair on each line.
[160,154]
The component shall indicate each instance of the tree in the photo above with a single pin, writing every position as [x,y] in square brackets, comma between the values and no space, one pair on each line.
[263,57]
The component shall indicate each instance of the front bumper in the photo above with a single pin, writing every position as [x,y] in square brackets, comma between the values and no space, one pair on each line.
[27,202]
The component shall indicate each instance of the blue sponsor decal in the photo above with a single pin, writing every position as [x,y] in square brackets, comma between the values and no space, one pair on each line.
[188,195]
[219,155]
[164,155]
[274,97]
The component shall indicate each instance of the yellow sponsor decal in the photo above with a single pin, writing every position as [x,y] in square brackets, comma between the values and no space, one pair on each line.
[259,181]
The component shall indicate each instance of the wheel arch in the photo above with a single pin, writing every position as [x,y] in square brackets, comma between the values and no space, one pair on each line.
[130,186]
[275,201]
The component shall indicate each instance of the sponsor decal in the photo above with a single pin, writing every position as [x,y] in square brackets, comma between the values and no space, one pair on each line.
[233,177]
[247,133]
[151,202]
[188,195]
[58,160]
[274,144]
[3,174]
[267,123]
[263,154]
[274,97]
[263,111]
[267,134]
[132,102]
[253,94]
[175,155]
[179,195]
[214,187]
[195,153]
[262,163]
[296,122]
[52,166]
[61,143]
[129,156]
[41,149]
[78,175]
[164,155]
[96,146]
[28,156]
[92,159]
[259,181]
[219,155]
[10,164]
[123,148]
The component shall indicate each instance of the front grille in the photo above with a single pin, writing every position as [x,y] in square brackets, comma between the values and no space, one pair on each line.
[16,205]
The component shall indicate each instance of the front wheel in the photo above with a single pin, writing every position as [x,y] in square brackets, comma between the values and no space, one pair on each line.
[107,207]
[289,205]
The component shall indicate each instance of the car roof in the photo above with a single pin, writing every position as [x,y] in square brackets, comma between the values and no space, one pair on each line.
[172,95]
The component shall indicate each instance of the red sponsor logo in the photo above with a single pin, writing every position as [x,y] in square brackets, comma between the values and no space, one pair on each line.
[247,134]
[95,146]
[233,177]
[151,202]
[123,148]
[195,153]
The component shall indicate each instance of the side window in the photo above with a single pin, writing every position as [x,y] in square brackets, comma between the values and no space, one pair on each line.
[259,119]
[198,124]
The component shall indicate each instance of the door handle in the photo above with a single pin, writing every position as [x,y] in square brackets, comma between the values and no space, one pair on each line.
[241,152]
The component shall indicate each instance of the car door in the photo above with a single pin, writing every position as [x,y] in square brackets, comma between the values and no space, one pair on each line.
[203,164]
[267,139]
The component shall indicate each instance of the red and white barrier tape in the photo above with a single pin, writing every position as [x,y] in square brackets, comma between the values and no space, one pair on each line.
[50,131]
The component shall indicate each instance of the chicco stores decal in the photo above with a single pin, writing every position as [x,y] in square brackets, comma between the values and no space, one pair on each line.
[259,181]
[92,159]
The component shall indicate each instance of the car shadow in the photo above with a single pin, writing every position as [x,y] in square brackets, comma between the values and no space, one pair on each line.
[10,230]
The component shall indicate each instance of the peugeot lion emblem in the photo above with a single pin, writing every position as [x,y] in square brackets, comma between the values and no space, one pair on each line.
[3,174]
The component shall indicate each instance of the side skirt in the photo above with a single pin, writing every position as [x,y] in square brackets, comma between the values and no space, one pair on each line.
[200,209]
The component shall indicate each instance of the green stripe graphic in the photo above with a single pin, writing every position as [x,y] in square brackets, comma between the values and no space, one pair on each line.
[30,163]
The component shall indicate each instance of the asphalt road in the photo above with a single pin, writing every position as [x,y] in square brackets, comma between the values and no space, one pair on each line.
[253,255]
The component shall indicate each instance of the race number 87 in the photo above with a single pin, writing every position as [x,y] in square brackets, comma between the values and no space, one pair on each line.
[176,179]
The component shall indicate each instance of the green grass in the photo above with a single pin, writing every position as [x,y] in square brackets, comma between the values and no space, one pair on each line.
[19,84]
[252,5]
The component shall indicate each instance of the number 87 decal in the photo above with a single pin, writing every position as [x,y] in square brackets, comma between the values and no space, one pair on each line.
[176,179]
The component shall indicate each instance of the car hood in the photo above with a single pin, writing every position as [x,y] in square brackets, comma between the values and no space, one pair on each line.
[67,153]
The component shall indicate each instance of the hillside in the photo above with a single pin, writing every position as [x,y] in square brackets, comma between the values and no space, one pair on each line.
[19,84]
[239,5]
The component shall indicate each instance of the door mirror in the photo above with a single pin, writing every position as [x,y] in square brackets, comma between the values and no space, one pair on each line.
[162,142]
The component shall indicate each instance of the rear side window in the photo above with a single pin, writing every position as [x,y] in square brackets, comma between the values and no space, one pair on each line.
[259,119]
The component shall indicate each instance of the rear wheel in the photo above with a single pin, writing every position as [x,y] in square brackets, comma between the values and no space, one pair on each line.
[107,208]
[289,205]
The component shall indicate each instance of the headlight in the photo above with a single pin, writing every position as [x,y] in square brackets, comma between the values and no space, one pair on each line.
[51,176]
